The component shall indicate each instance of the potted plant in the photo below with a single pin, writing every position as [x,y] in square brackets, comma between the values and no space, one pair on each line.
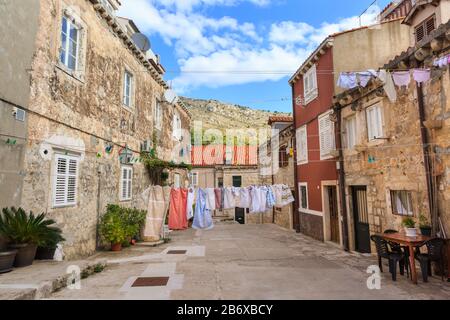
[410,227]
[7,260]
[23,232]
[112,228]
[425,226]
[48,243]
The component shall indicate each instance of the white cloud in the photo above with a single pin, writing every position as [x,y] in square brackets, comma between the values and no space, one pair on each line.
[235,50]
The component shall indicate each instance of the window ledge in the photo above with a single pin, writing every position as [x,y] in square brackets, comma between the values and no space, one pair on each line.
[77,75]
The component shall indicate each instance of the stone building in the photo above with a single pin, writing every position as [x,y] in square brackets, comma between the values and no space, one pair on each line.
[280,167]
[398,167]
[92,101]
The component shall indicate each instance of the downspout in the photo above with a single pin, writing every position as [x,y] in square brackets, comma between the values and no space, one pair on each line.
[427,163]
[296,213]
[341,171]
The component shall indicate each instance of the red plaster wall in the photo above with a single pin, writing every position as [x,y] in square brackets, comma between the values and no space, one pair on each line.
[316,170]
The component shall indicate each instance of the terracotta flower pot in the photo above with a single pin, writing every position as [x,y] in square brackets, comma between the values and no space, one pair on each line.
[25,254]
[116,247]
[7,260]
[411,232]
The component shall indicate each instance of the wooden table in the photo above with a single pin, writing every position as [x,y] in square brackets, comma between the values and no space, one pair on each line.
[411,243]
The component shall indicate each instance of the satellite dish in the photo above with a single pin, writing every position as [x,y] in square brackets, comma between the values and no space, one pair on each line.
[171,96]
[141,41]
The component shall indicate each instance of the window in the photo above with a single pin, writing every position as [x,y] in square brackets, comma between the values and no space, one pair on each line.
[70,42]
[374,122]
[310,85]
[425,28]
[326,134]
[303,190]
[350,129]
[194,179]
[158,115]
[176,180]
[302,145]
[220,182]
[176,126]
[402,203]
[126,179]
[283,160]
[237,181]
[128,89]
[65,181]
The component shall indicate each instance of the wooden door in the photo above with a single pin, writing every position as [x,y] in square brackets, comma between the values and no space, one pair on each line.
[361,219]
[239,213]
[334,214]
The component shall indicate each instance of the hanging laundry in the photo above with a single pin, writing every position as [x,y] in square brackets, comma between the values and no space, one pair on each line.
[237,196]
[402,78]
[442,61]
[254,195]
[364,77]
[277,191]
[190,203]
[421,75]
[202,216]
[228,201]
[270,198]
[245,199]
[177,213]
[155,214]
[210,199]
[262,197]
[347,80]
[218,194]
[286,195]
[389,86]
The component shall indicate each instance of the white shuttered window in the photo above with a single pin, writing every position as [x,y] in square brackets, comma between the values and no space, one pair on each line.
[302,145]
[350,128]
[310,85]
[65,182]
[374,122]
[126,184]
[326,134]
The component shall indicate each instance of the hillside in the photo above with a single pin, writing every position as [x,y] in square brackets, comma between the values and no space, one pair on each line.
[219,115]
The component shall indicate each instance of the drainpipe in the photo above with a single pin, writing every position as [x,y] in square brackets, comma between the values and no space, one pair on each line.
[296,213]
[428,169]
[341,171]
[97,236]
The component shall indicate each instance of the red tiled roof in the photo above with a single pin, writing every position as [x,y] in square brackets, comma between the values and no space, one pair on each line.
[214,155]
[274,119]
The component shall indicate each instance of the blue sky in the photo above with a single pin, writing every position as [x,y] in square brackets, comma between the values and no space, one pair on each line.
[240,51]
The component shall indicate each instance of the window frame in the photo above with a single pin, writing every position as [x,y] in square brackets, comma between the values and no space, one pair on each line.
[158,115]
[424,26]
[130,86]
[283,159]
[129,183]
[301,186]
[369,120]
[176,126]
[409,197]
[351,132]
[67,54]
[302,158]
[67,176]
[310,85]
[326,117]
[194,174]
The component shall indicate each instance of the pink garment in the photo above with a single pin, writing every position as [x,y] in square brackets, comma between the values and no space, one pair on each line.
[402,78]
[178,209]
[218,193]
[421,75]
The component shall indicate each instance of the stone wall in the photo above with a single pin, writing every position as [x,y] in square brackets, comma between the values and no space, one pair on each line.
[84,114]
[312,226]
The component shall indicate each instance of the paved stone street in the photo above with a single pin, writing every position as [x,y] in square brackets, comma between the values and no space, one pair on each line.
[246,262]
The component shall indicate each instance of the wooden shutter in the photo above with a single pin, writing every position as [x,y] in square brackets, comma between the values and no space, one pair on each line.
[302,145]
[430,25]
[326,133]
[65,181]
[420,33]
[126,180]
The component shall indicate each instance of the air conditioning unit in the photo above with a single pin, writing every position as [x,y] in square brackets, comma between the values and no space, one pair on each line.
[146,146]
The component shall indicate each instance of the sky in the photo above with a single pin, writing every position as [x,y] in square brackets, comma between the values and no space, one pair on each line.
[241,51]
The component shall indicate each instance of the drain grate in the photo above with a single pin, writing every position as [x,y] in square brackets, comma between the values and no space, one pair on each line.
[177,252]
[151,282]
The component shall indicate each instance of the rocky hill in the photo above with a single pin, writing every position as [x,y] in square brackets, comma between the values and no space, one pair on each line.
[220,115]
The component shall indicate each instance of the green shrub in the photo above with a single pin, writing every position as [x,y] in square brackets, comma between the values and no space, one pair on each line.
[112,226]
[18,227]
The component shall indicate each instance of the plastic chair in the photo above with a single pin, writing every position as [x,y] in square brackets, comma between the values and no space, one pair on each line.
[434,254]
[393,257]
[395,247]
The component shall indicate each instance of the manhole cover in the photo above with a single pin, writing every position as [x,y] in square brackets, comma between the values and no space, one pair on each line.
[177,252]
[151,282]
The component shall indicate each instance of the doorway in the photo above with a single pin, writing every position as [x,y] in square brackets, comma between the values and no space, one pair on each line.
[334,214]
[239,213]
[361,219]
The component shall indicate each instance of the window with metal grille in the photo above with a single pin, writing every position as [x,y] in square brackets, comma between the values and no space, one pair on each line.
[126,183]
[303,190]
[65,181]
[283,160]
[425,28]
[402,203]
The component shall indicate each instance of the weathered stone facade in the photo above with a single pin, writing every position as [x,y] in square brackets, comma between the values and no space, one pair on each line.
[82,114]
